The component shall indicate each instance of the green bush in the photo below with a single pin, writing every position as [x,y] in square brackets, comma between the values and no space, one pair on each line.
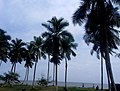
[42,82]
[10,78]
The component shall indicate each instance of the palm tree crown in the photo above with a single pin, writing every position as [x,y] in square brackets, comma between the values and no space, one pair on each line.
[67,48]
[36,48]
[4,45]
[17,49]
[55,35]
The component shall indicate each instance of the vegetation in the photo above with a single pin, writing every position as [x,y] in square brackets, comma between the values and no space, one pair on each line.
[42,82]
[37,88]
[101,18]
[58,39]
[29,59]
[10,78]
[17,48]
[38,53]
[4,46]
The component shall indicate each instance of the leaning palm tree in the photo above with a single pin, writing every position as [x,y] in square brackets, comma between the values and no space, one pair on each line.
[101,17]
[54,35]
[4,46]
[38,53]
[17,48]
[67,50]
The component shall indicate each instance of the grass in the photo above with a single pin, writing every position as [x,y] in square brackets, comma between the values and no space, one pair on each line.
[38,88]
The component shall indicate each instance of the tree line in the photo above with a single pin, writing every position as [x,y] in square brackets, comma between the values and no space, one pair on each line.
[56,42]
[101,17]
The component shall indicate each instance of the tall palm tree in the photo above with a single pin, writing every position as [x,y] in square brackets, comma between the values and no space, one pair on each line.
[29,59]
[67,50]
[17,48]
[38,53]
[98,56]
[47,49]
[54,35]
[101,17]
[4,45]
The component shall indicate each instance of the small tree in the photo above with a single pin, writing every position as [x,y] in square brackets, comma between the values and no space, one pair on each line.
[42,81]
[10,78]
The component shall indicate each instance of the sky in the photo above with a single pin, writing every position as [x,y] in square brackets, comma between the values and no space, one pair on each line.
[22,19]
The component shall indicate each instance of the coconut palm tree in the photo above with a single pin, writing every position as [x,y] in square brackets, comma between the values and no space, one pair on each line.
[101,17]
[4,46]
[17,48]
[29,59]
[98,56]
[47,49]
[67,50]
[54,35]
[38,53]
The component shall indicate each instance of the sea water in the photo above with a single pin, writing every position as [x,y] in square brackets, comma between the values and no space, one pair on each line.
[83,85]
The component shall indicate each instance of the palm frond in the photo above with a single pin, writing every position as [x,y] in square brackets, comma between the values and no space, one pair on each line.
[116,1]
[46,34]
[62,25]
[48,27]
[81,13]
[66,34]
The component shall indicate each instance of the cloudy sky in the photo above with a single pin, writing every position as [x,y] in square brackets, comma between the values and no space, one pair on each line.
[22,19]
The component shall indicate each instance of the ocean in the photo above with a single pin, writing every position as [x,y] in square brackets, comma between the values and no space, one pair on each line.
[77,84]
[85,85]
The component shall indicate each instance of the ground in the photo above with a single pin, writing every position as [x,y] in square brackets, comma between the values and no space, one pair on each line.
[38,88]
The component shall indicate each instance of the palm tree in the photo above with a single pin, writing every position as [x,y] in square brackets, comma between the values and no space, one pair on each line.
[29,59]
[55,35]
[47,49]
[4,46]
[101,17]
[98,56]
[38,53]
[16,54]
[67,50]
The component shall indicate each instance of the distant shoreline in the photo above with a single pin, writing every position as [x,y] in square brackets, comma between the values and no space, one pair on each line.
[75,84]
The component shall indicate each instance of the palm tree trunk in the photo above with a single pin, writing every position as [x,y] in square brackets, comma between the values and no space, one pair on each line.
[48,69]
[12,67]
[56,78]
[15,68]
[101,73]
[33,84]
[27,75]
[53,74]
[108,76]
[65,74]
[107,57]
[108,64]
